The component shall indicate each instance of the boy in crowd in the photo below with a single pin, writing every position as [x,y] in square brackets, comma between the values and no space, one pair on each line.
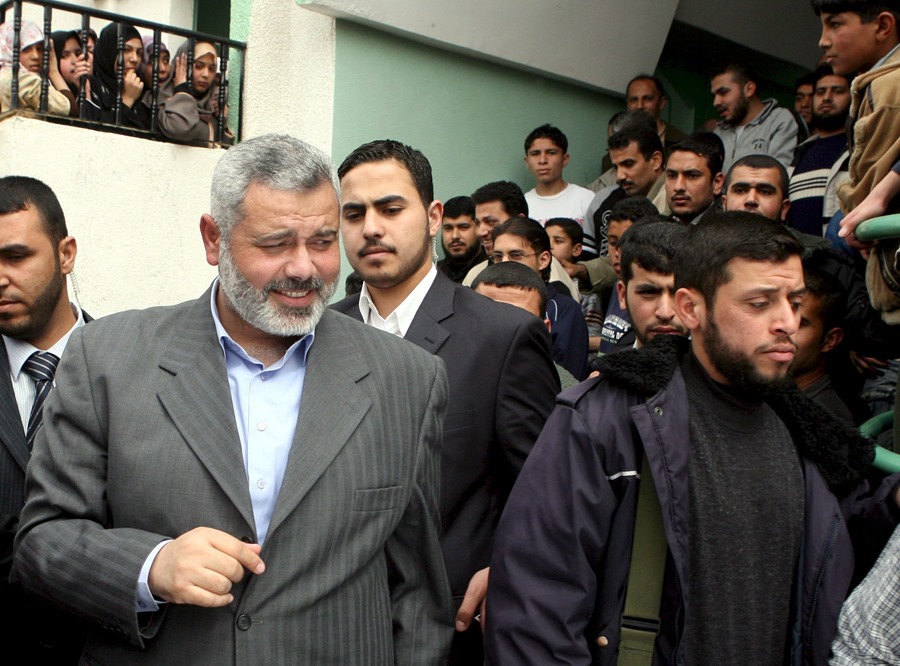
[516,284]
[546,155]
[524,240]
[617,322]
[819,334]
[566,239]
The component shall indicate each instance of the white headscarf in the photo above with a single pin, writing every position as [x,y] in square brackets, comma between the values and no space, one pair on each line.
[29,35]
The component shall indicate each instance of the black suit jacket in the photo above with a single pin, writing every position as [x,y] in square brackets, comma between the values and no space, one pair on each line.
[38,631]
[502,388]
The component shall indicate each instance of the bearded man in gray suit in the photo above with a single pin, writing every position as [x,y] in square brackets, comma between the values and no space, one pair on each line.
[247,478]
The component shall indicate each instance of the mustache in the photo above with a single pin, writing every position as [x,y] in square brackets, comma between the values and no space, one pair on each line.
[372,245]
[314,283]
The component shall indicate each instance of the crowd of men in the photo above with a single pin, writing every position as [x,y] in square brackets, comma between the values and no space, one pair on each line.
[614,422]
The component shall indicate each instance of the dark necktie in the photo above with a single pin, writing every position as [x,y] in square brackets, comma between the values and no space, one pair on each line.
[40,366]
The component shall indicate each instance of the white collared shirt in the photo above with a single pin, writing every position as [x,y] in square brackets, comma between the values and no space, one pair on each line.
[18,351]
[399,321]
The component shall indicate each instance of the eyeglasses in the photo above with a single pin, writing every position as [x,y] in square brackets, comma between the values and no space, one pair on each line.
[512,255]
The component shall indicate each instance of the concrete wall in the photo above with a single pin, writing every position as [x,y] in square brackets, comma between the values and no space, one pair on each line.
[574,40]
[133,205]
[289,82]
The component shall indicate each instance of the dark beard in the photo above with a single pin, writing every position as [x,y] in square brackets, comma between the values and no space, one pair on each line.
[739,370]
[41,310]
[831,122]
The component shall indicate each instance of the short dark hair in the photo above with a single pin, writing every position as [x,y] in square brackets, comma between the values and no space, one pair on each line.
[867,10]
[741,72]
[632,208]
[805,80]
[412,160]
[547,131]
[512,274]
[533,233]
[632,118]
[825,70]
[18,193]
[660,90]
[702,261]
[653,245]
[570,228]
[507,193]
[707,145]
[647,139]
[459,206]
[830,291]
[761,162]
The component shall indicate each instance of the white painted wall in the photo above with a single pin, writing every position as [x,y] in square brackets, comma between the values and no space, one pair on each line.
[289,82]
[133,205]
[584,41]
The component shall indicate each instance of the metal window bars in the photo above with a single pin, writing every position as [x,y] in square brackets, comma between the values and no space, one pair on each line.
[223,47]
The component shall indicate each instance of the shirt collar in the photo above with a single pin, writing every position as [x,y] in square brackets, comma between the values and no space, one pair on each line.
[404,313]
[18,351]
[229,346]
[886,57]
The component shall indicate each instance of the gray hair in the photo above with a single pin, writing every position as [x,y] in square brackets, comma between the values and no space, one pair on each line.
[278,161]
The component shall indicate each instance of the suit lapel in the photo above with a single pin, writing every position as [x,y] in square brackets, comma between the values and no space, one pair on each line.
[426,330]
[11,431]
[198,401]
[331,408]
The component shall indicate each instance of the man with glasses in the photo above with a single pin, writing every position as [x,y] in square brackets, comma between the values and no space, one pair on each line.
[524,240]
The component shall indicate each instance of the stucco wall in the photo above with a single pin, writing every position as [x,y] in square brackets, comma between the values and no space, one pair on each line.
[133,205]
[289,81]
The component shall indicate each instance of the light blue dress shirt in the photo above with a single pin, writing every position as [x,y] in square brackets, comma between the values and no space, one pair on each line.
[266,404]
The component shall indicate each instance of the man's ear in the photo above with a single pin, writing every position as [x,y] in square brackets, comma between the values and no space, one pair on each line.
[832,339]
[544,259]
[577,249]
[718,183]
[67,248]
[690,308]
[621,291]
[785,206]
[657,159]
[750,89]
[209,232]
[435,217]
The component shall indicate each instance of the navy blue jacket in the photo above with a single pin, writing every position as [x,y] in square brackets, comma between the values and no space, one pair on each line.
[563,546]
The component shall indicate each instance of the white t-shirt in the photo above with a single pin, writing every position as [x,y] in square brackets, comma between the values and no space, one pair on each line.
[572,202]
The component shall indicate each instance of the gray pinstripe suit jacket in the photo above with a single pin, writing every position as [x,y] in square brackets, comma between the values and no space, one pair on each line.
[140,444]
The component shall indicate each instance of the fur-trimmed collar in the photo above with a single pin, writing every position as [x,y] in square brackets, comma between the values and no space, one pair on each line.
[842,455]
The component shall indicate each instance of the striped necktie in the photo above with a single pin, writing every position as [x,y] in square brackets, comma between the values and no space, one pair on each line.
[40,366]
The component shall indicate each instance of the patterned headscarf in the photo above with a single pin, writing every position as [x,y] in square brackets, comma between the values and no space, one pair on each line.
[29,35]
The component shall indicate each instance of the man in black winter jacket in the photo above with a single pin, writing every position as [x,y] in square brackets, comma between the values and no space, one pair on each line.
[760,489]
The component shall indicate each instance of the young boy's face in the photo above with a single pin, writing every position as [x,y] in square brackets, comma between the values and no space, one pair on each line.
[613,233]
[561,246]
[849,44]
[545,160]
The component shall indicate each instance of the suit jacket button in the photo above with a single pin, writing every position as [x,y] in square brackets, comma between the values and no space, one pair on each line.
[602,641]
[243,622]
[247,539]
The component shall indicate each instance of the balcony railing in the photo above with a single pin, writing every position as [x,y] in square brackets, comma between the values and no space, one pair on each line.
[227,50]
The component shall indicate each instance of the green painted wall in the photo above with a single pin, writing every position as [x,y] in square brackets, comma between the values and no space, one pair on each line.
[468,116]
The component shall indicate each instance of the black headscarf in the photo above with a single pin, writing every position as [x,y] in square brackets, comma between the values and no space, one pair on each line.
[106,52]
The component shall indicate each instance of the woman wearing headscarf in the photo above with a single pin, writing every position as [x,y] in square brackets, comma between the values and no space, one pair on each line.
[72,60]
[60,100]
[192,112]
[102,102]
[166,87]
